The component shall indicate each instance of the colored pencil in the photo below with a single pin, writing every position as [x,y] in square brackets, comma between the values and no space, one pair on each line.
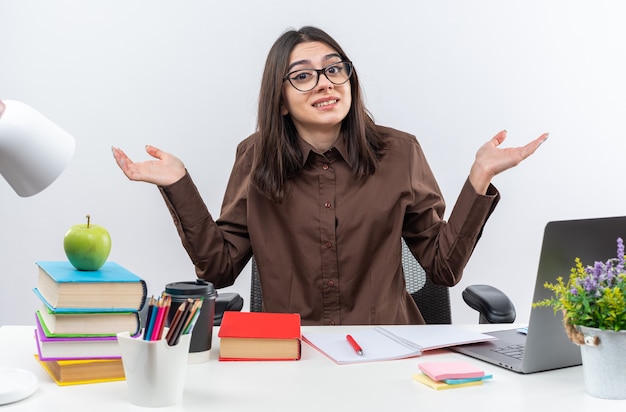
[165,307]
[175,321]
[148,318]
[195,312]
[178,328]
[150,326]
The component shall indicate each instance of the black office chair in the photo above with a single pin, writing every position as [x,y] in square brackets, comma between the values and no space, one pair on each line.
[256,296]
[432,300]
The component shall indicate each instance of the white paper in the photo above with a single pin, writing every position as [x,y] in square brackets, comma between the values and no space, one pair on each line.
[379,345]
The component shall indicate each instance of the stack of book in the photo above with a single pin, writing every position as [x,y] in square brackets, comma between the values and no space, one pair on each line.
[81,314]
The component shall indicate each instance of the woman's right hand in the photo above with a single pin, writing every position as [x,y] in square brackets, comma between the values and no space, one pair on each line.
[164,170]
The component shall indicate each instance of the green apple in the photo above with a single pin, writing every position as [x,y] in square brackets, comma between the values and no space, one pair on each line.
[87,246]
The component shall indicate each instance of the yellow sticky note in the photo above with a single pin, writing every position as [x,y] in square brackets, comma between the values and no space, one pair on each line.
[438,385]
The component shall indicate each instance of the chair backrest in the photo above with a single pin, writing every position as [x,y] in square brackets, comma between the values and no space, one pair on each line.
[256,297]
[432,300]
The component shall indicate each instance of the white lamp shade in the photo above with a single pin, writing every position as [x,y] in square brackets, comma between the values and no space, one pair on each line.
[33,150]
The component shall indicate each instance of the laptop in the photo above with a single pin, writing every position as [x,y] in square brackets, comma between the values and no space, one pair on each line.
[544,344]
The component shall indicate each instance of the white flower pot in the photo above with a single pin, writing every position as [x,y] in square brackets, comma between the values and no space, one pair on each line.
[604,364]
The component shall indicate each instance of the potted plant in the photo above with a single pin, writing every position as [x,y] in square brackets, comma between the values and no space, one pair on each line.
[593,303]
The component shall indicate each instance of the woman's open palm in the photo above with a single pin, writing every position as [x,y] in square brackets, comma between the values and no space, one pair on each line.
[163,170]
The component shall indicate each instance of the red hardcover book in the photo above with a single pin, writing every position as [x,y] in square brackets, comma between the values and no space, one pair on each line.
[260,336]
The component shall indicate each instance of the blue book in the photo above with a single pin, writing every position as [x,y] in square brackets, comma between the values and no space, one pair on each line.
[112,288]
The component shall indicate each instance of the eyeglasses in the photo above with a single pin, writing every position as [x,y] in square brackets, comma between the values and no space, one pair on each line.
[305,80]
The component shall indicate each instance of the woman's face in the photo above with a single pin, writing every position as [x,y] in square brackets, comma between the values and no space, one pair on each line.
[323,108]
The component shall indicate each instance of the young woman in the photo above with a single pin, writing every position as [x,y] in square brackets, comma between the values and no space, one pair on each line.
[322,197]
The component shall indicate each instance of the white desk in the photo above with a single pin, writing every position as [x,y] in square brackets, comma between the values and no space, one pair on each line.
[312,384]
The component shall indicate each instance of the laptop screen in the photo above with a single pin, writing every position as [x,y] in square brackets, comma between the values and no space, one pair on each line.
[563,242]
[546,346]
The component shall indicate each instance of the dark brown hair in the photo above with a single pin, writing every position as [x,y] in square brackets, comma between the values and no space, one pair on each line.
[278,157]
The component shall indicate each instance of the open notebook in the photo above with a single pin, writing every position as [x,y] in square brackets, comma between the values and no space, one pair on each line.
[381,343]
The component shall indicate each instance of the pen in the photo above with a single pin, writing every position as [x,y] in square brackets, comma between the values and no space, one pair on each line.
[354,345]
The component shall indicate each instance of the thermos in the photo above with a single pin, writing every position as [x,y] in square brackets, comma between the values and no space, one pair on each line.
[202,333]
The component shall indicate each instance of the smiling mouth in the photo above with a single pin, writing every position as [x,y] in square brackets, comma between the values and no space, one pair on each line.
[326,103]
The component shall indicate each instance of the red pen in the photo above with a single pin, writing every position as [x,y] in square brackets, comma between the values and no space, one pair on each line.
[355,346]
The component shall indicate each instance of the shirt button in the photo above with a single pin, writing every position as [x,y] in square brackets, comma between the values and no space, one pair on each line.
[329,245]
[332,322]
[325,166]
[327,205]
[331,283]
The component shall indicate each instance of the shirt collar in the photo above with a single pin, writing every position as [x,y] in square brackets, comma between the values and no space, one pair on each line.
[340,146]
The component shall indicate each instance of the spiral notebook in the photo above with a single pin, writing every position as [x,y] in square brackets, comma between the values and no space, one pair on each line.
[382,343]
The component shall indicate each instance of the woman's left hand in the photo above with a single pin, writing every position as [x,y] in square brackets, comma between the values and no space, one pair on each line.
[490,160]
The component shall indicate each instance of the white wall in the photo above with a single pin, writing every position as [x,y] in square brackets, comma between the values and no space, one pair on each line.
[184,75]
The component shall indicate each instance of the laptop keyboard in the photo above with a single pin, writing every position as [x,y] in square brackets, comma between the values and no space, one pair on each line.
[514,351]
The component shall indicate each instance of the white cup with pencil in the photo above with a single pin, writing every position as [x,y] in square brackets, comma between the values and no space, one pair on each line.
[155,363]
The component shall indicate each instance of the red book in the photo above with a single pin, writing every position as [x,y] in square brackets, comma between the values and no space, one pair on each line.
[260,336]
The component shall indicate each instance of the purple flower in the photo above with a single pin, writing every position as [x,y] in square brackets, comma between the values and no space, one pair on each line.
[590,283]
[598,269]
[594,294]
[608,272]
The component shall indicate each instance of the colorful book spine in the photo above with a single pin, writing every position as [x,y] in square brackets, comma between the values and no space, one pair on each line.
[112,288]
[75,348]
